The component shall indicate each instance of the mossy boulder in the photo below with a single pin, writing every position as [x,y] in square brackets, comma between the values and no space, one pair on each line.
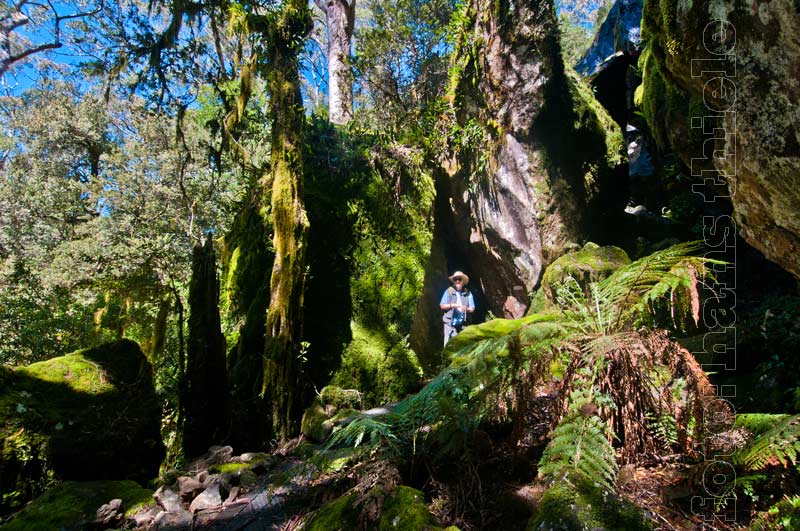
[314,424]
[89,415]
[736,125]
[403,510]
[577,504]
[73,504]
[591,264]
[340,398]
[380,369]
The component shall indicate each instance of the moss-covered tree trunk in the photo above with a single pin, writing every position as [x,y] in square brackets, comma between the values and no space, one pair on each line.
[290,223]
[205,413]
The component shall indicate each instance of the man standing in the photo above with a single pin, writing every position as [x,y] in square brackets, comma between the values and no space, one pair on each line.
[457,303]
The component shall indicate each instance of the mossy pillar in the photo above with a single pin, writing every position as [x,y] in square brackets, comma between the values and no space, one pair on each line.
[290,223]
[205,400]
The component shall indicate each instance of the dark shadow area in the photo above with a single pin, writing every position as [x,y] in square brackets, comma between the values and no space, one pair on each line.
[80,435]
[334,175]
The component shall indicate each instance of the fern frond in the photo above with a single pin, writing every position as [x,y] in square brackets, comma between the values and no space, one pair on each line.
[778,446]
[580,444]
[629,290]
[362,430]
[783,516]
[758,423]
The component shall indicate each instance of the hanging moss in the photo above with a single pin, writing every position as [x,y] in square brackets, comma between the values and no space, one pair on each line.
[281,384]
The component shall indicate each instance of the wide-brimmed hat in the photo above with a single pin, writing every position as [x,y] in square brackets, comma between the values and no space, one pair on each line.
[459,274]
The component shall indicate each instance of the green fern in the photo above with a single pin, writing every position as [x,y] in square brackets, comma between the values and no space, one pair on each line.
[362,430]
[777,446]
[580,444]
[783,516]
[665,428]
[758,423]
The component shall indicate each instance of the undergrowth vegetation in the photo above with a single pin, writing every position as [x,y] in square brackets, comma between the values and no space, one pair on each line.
[617,371]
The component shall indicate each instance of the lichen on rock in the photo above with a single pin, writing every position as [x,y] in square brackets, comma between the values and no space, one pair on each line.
[720,89]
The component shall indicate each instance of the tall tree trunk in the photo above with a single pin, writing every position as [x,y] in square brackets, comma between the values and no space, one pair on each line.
[340,18]
[290,224]
[206,381]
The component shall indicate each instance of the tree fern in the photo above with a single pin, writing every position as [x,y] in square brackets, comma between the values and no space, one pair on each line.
[777,446]
[580,444]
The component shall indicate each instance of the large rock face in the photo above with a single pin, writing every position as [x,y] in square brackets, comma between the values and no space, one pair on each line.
[92,414]
[619,32]
[733,68]
[524,192]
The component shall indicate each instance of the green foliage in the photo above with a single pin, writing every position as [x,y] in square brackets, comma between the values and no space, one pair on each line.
[576,503]
[74,504]
[631,295]
[438,420]
[759,423]
[776,446]
[381,371]
[401,65]
[578,21]
[363,430]
[579,445]
[783,516]
[99,200]
[664,427]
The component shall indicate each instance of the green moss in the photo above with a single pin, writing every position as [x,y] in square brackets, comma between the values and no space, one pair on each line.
[74,503]
[591,264]
[338,515]
[223,468]
[404,511]
[382,372]
[92,413]
[575,503]
[339,398]
[591,114]
[313,423]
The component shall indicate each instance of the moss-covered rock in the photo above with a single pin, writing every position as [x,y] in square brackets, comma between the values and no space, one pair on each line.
[380,370]
[576,504]
[92,414]
[403,510]
[73,504]
[591,264]
[735,125]
[538,150]
[340,398]
[313,424]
